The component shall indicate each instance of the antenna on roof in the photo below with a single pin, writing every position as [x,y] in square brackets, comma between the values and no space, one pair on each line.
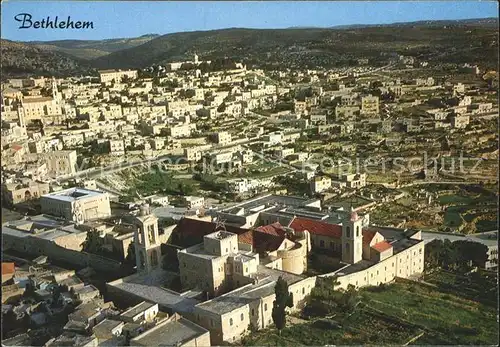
[220,224]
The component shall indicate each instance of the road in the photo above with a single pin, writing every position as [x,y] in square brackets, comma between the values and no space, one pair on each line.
[107,189]
[389,185]
[106,170]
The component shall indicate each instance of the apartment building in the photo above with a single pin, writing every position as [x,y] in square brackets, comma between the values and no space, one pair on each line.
[222,138]
[60,163]
[459,121]
[182,130]
[320,183]
[370,105]
[116,147]
[17,192]
[37,108]
[107,76]
[354,180]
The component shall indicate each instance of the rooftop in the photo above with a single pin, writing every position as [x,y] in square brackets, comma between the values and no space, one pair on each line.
[72,339]
[86,289]
[352,268]
[150,287]
[268,201]
[316,227]
[105,327]
[220,235]
[73,194]
[490,238]
[137,309]
[41,226]
[170,333]
[249,293]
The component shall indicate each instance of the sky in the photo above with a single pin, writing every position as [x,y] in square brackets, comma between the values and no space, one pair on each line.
[118,19]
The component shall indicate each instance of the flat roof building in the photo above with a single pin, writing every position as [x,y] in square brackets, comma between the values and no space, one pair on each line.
[77,204]
[174,331]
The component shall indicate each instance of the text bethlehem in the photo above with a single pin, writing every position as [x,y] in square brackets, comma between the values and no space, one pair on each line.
[48,23]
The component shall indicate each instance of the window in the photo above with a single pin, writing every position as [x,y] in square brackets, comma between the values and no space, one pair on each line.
[265,307]
[322,244]
[303,290]
[357,231]
[347,248]
[184,264]
[253,312]
[331,244]
[226,250]
[242,317]
[348,231]
[230,321]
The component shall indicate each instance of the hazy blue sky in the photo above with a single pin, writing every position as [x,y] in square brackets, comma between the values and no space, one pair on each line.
[114,19]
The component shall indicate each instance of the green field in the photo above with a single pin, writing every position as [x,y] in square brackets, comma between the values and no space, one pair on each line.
[449,309]
[362,327]
[447,318]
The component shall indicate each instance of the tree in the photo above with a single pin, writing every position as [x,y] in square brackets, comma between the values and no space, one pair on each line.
[470,252]
[349,299]
[93,243]
[283,300]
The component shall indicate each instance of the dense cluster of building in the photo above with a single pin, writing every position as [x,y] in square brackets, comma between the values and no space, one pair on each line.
[209,276]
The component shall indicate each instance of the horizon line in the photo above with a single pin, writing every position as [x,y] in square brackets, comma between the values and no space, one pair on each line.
[338,27]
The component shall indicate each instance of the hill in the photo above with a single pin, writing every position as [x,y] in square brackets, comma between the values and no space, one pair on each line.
[21,60]
[468,41]
[91,49]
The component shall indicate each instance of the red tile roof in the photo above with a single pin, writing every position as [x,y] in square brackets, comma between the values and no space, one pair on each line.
[272,229]
[316,227]
[263,242]
[8,268]
[382,246]
[191,231]
[17,147]
[246,237]
[264,238]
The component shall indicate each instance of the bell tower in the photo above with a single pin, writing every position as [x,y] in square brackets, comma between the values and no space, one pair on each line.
[352,238]
[55,93]
[146,241]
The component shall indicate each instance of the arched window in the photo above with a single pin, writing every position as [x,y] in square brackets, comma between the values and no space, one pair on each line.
[230,321]
[357,231]
[348,231]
